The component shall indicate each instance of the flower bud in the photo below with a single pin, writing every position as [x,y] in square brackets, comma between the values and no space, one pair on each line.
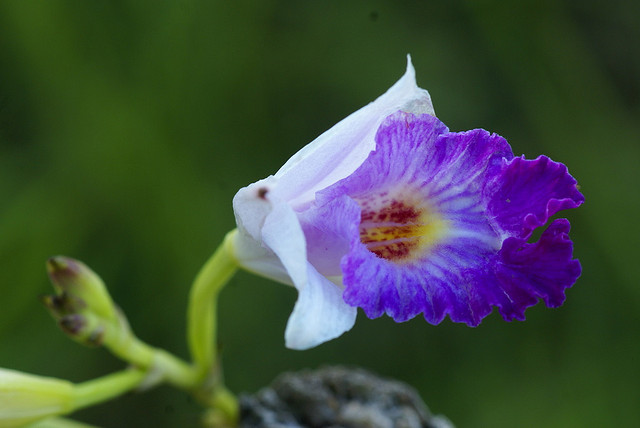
[82,305]
[81,285]
[26,398]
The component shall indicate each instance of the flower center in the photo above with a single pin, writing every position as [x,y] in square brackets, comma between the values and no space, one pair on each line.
[399,227]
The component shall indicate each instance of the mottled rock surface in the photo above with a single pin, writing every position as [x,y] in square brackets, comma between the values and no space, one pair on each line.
[337,397]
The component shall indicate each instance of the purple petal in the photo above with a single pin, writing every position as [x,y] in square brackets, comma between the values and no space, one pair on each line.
[436,287]
[513,280]
[529,192]
[465,160]
[540,270]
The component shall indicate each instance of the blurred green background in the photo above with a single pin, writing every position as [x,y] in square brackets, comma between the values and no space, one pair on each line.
[126,127]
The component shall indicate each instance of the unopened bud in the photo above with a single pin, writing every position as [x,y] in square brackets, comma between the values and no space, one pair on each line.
[73,324]
[78,285]
[83,328]
[82,305]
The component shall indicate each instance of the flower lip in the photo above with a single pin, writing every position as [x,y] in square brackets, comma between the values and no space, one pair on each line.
[472,259]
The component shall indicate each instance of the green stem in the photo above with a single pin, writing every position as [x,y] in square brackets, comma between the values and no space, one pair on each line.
[107,387]
[60,423]
[156,364]
[201,314]
[226,403]
[125,345]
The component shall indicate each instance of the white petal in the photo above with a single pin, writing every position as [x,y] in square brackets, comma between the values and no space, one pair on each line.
[254,257]
[320,313]
[251,206]
[339,151]
[283,235]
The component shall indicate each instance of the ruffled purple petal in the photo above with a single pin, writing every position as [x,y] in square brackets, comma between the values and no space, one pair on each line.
[529,192]
[544,269]
[466,160]
[522,273]
[438,287]
[513,280]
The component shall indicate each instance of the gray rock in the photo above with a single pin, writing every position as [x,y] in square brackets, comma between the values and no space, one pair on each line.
[337,397]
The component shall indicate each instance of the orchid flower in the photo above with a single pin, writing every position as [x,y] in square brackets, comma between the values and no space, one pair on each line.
[390,212]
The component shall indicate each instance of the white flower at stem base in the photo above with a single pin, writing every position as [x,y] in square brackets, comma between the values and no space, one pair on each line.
[270,240]
[26,398]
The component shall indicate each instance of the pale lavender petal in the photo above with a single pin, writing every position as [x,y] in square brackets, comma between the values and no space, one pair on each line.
[256,258]
[329,230]
[251,207]
[339,151]
[320,313]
